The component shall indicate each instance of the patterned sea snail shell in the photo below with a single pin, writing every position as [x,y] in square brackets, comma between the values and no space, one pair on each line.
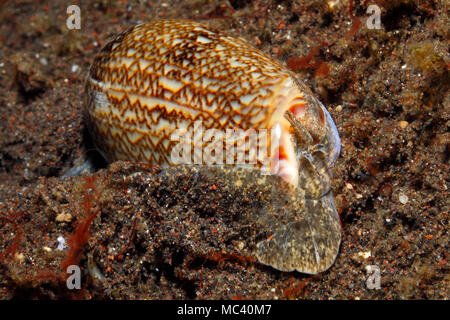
[161,77]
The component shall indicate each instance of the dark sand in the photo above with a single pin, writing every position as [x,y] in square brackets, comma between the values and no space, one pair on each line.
[387,90]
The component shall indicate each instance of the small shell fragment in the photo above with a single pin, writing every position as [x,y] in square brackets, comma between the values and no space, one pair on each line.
[171,77]
[403,198]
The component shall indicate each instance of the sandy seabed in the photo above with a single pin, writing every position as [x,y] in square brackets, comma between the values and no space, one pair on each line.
[139,234]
